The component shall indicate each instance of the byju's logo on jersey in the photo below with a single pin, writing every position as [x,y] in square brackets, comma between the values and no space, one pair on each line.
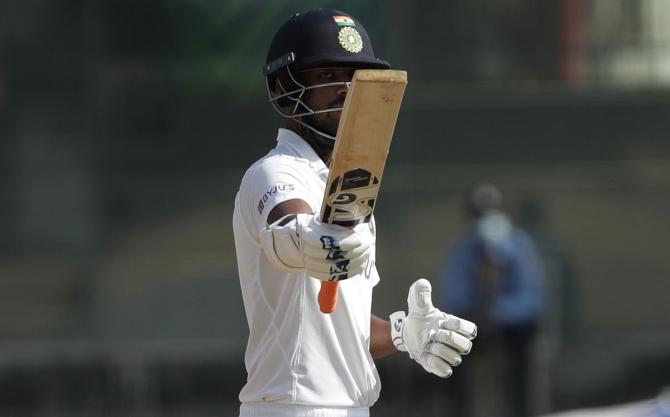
[287,188]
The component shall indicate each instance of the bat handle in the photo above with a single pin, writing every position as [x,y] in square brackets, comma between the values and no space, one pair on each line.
[328,296]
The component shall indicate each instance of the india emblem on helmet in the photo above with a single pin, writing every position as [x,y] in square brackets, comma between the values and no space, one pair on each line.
[350,39]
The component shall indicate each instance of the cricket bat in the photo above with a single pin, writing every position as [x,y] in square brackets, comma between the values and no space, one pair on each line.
[361,146]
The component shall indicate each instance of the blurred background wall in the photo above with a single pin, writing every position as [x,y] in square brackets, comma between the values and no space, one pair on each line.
[125,128]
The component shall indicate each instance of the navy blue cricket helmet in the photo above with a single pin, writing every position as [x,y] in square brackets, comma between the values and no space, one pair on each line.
[318,38]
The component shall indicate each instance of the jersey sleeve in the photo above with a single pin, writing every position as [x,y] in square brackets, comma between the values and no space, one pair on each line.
[268,184]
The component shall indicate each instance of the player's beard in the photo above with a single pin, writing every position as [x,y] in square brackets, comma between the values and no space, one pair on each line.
[328,122]
[324,122]
[320,143]
[326,125]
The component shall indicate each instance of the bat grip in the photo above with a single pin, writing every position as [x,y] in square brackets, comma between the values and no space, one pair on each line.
[328,296]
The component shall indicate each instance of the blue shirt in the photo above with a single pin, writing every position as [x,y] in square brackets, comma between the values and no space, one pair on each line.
[516,296]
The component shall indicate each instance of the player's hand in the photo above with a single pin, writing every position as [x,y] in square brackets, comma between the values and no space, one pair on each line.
[434,339]
[328,252]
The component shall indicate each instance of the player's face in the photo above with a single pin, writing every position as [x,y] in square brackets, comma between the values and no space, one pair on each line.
[327,97]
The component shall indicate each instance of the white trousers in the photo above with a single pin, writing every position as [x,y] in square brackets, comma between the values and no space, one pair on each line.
[284,410]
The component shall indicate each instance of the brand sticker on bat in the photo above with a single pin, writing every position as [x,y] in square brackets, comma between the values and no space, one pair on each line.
[352,197]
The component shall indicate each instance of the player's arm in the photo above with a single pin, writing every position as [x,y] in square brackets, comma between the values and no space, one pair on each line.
[436,340]
[285,208]
[294,239]
[381,344]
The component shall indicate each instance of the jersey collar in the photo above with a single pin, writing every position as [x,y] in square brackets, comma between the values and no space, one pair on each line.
[300,148]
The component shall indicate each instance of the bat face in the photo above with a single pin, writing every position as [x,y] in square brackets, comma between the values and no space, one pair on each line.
[362,144]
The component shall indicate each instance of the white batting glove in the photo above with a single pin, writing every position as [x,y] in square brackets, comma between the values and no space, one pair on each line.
[328,252]
[436,340]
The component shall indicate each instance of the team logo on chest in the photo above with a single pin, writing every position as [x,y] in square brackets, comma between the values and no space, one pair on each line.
[350,40]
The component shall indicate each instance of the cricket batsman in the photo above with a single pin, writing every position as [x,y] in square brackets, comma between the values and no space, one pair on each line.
[300,361]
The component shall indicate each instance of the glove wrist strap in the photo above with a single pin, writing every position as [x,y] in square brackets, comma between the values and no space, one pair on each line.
[397,325]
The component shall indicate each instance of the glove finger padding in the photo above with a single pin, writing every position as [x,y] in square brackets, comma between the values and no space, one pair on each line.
[457,324]
[446,353]
[331,236]
[452,339]
[436,365]
[361,252]
[316,266]
[334,275]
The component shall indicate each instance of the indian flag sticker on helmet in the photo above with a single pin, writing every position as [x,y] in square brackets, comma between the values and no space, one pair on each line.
[350,40]
[344,20]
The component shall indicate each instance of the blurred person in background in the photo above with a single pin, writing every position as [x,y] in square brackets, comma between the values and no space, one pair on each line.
[300,361]
[493,274]
[561,305]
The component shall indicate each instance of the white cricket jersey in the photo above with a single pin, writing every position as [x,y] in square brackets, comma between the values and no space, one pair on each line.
[295,354]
